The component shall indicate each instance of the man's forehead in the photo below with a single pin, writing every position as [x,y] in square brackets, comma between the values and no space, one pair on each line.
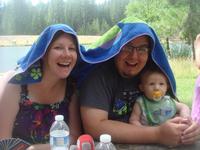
[139,43]
[141,39]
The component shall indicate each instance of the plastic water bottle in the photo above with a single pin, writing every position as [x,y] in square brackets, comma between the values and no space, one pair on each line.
[59,134]
[73,147]
[105,143]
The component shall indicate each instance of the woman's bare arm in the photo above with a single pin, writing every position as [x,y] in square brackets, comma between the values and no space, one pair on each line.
[74,119]
[9,106]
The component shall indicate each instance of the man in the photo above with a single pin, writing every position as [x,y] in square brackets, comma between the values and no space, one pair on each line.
[110,90]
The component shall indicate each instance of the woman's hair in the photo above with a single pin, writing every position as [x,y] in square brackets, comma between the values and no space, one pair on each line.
[59,33]
[55,37]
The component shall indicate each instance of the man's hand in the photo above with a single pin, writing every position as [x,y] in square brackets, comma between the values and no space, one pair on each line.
[169,133]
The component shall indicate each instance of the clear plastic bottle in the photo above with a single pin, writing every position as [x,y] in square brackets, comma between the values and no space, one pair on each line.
[73,147]
[105,143]
[59,134]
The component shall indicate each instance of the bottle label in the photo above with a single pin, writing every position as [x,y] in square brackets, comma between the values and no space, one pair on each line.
[59,138]
[60,141]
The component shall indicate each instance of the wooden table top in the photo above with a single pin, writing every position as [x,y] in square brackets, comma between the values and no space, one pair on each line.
[195,146]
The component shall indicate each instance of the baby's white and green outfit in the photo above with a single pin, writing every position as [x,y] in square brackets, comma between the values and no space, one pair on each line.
[156,112]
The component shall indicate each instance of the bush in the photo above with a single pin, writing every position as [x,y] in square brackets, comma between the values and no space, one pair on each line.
[180,50]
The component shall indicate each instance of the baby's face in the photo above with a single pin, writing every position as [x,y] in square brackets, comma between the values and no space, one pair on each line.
[154,86]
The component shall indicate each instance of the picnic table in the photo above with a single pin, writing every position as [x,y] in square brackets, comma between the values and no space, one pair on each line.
[195,146]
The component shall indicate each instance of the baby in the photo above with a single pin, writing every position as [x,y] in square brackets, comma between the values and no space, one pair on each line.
[156,105]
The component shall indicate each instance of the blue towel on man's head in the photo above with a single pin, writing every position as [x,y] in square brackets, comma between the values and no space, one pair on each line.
[29,69]
[110,44]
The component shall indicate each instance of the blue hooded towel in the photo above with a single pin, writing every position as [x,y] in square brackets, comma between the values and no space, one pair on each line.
[110,44]
[29,69]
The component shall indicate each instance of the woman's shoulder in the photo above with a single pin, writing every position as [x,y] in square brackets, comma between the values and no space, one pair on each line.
[6,76]
[9,98]
[7,89]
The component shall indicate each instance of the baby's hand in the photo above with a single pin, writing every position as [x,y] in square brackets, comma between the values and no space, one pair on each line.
[187,120]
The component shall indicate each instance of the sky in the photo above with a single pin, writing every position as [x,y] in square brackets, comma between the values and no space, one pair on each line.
[34,2]
[99,1]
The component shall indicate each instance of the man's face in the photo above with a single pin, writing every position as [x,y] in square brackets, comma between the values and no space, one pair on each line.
[133,57]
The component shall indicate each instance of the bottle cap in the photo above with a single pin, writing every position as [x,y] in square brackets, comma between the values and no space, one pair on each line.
[59,117]
[85,141]
[105,138]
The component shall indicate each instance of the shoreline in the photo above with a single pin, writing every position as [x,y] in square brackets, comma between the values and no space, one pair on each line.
[28,40]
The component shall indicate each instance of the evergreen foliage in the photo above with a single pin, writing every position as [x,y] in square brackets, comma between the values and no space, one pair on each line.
[20,17]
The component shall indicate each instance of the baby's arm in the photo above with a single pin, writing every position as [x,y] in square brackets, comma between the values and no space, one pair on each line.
[183,110]
[135,115]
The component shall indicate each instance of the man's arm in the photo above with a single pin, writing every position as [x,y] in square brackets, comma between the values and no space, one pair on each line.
[95,122]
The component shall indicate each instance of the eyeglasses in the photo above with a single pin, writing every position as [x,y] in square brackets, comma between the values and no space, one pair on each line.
[141,50]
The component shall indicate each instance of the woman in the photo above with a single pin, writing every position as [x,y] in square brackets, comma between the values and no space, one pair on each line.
[40,88]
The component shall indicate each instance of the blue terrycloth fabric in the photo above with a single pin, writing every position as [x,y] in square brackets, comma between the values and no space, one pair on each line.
[110,44]
[29,69]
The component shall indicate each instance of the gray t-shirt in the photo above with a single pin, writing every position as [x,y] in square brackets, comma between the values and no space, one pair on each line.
[105,89]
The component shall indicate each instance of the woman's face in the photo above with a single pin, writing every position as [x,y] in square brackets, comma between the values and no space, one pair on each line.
[133,57]
[61,56]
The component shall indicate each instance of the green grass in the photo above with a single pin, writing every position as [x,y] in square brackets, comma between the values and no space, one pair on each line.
[185,73]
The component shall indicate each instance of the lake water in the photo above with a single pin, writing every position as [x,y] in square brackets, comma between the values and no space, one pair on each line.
[10,55]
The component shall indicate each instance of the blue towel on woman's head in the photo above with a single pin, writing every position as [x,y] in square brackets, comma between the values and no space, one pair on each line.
[110,44]
[29,69]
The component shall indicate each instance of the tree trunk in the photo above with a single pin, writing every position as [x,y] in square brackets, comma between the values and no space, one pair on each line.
[167,47]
